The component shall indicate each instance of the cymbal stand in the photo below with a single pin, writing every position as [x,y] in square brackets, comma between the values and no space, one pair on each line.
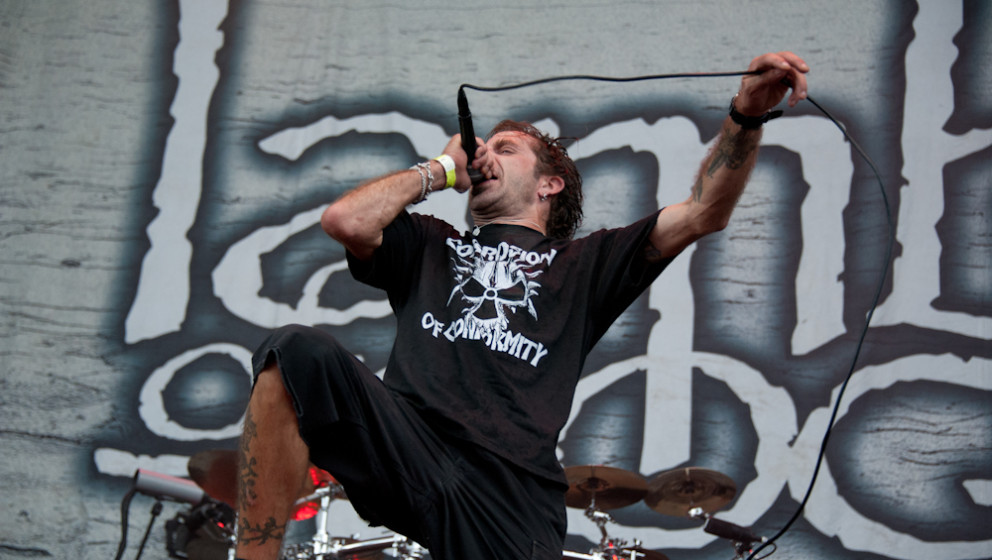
[609,547]
[322,539]
[600,518]
[320,545]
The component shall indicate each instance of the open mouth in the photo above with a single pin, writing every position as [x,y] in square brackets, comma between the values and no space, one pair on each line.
[485,181]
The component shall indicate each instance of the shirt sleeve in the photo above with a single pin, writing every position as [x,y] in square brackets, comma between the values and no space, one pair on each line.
[389,264]
[396,264]
[623,269]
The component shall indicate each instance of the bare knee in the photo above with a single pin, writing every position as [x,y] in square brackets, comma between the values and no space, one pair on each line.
[269,379]
[270,423]
[269,397]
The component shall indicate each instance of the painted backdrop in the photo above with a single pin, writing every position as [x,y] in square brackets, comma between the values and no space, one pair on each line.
[164,165]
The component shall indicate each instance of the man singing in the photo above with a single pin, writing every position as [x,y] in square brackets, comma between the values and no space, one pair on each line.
[455,447]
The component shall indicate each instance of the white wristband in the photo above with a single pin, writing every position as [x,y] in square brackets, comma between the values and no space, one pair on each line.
[449,169]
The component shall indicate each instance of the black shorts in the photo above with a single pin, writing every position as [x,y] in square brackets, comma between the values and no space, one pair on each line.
[455,498]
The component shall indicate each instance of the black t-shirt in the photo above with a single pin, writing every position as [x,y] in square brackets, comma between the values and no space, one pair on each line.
[493,329]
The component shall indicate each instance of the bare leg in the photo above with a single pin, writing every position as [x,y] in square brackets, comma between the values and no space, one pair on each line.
[273,462]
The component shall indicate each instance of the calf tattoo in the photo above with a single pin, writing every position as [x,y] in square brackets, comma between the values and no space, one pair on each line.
[259,533]
[249,531]
[247,477]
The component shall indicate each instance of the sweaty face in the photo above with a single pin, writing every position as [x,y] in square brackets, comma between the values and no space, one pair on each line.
[512,163]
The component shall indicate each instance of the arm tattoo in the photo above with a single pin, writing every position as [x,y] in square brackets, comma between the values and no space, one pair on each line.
[651,253]
[697,189]
[733,151]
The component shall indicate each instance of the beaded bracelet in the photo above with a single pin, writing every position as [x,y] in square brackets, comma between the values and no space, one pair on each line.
[426,180]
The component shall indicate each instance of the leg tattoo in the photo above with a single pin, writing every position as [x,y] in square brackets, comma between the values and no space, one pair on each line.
[259,533]
[247,477]
[248,532]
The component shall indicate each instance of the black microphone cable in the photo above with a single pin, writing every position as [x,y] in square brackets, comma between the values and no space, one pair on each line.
[125,511]
[881,281]
[609,79]
[890,228]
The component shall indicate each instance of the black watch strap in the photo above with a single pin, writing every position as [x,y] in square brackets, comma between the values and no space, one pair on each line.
[751,123]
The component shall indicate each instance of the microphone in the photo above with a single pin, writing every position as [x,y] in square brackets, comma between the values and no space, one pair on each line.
[168,487]
[728,530]
[468,136]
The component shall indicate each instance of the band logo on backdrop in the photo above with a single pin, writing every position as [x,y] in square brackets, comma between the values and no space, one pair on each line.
[770,429]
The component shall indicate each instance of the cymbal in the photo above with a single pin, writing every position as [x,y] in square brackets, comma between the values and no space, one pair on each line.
[216,472]
[606,487]
[677,491]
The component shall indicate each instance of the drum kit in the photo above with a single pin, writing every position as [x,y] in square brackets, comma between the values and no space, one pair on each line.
[596,489]
[687,492]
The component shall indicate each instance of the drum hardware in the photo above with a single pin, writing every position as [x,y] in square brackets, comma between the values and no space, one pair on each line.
[324,547]
[598,488]
[686,492]
[741,538]
[165,487]
[696,493]
[605,487]
[691,491]
[206,532]
[309,506]
[678,491]
[215,471]
[612,548]
[338,548]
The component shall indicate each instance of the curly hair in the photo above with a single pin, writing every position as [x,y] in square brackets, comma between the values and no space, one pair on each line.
[566,206]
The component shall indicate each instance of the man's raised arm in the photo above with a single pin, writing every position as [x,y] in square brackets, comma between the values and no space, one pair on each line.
[724,172]
[357,219]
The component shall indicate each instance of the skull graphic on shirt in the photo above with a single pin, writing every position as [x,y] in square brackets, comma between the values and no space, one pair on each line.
[493,289]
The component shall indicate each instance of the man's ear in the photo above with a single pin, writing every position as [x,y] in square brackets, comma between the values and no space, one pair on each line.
[551,185]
